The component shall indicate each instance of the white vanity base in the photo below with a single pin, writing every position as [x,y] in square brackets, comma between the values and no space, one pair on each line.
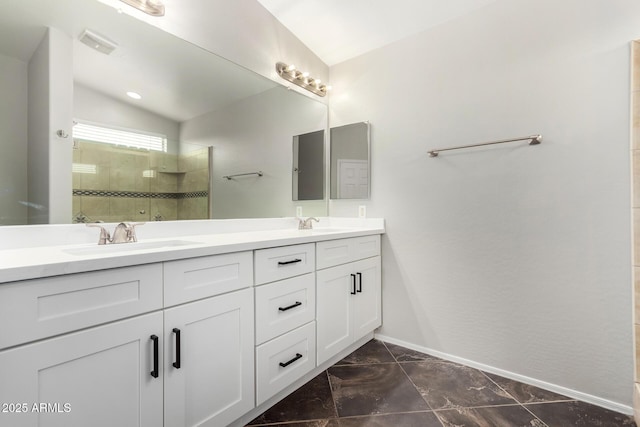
[244,420]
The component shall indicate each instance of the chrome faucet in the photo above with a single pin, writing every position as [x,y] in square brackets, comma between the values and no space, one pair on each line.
[124,233]
[105,237]
[306,224]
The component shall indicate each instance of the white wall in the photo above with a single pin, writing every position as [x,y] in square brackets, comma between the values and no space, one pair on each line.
[256,134]
[96,107]
[242,31]
[13,141]
[512,256]
[50,105]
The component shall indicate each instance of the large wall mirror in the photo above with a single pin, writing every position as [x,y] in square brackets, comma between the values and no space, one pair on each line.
[216,120]
[350,161]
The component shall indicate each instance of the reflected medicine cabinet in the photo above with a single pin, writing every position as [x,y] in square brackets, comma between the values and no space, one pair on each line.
[308,166]
[350,161]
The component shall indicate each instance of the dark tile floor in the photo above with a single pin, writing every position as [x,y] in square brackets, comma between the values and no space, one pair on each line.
[382,384]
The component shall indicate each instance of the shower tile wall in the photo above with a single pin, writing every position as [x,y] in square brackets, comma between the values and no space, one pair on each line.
[195,179]
[635,203]
[121,184]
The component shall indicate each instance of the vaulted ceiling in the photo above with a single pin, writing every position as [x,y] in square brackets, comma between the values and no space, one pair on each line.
[337,30]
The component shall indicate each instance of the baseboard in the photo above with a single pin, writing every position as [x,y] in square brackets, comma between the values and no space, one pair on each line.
[574,394]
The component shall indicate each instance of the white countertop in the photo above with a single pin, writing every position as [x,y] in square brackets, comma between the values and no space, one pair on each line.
[28,260]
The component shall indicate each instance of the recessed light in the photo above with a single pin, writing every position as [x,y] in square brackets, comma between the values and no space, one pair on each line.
[134,95]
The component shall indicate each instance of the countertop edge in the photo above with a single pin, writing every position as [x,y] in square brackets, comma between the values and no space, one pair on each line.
[68,265]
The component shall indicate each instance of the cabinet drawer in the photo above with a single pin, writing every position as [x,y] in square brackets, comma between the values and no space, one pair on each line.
[284,305]
[283,360]
[287,261]
[342,251]
[50,306]
[196,278]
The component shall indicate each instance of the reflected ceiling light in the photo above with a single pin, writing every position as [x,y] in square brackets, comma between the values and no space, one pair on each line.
[134,95]
[289,73]
[151,7]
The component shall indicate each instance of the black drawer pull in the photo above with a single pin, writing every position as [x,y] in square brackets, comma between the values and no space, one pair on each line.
[285,364]
[176,364]
[298,303]
[359,282]
[353,284]
[293,261]
[154,373]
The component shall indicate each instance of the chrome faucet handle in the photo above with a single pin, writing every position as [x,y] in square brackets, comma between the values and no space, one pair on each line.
[309,224]
[131,229]
[105,237]
[300,223]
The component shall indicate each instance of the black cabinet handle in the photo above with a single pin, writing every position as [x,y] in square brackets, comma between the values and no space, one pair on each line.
[298,303]
[154,373]
[176,364]
[285,364]
[353,284]
[359,282]
[293,261]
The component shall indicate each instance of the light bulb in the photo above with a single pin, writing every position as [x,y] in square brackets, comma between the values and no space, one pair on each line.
[291,67]
[305,74]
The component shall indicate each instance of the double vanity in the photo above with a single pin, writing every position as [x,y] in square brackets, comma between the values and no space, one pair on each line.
[200,323]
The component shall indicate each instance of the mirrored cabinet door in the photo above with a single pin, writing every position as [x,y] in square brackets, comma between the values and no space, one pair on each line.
[308,166]
[350,161]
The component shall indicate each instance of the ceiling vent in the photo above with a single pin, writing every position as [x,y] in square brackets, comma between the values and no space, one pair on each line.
[98,42]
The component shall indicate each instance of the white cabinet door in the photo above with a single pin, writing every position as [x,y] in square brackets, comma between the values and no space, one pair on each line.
[334,287]
[367,313]
[99,377]
[214,383]
[348,305]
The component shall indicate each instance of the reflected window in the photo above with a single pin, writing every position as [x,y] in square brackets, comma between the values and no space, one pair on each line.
[118,136]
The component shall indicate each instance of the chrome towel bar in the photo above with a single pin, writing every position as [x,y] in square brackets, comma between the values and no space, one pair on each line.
[533,140]
[259,173]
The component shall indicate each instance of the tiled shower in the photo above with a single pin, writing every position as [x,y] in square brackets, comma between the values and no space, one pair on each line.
[114,184]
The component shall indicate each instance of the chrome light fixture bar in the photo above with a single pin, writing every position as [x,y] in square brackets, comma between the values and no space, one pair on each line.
[289,73]
[150,7]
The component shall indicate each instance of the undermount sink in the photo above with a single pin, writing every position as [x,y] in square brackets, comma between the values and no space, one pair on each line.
[124,247]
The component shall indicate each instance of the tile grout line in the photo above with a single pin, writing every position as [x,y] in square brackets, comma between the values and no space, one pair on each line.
[412,383]
[513,397]
[333,398]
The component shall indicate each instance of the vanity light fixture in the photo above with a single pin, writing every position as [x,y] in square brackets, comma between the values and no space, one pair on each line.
[134,95]
[150,7]
[289,73]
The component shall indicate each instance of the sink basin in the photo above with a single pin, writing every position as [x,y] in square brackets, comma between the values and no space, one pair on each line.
[125,247]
